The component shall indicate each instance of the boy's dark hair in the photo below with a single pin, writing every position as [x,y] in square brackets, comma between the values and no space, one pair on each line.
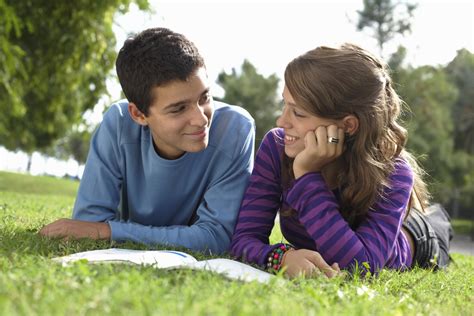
[153,58]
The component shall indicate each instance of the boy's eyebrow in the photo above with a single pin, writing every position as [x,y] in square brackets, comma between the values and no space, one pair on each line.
[183,102]
[176,104]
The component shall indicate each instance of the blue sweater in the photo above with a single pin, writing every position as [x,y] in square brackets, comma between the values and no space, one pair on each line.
[192,201]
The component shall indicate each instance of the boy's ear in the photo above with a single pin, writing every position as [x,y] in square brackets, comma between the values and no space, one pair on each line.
[136,114]
[351,124]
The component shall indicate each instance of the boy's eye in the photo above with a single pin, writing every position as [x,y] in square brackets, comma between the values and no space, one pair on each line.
[178,109]
[205,99]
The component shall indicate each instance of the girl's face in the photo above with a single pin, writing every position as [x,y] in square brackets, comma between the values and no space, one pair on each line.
[297,122]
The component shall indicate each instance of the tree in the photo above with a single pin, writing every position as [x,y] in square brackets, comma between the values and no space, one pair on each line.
[254,92]
[395,62]
[461,72]
[64,51]
[75,144]
[11,66]
[386,18]
[431,95]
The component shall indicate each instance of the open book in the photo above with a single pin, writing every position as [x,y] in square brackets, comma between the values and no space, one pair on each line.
[168,259]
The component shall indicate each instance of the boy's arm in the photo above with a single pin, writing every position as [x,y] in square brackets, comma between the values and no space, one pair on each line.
[98,196]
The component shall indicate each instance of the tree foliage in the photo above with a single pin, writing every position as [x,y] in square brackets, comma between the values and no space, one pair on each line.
[254,92]
[12,70]
[461,73]
[431,97]
[56,58]
[386,19]
[75,145]
[440,110]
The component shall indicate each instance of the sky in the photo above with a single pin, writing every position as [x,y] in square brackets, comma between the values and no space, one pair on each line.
[270,34]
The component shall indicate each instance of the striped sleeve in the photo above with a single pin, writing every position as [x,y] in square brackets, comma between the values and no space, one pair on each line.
[260,204]
[374,239]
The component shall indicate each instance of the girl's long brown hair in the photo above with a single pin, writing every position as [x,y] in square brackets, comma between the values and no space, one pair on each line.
[335,82]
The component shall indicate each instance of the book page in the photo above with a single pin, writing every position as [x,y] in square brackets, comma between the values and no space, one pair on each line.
[156,258]
[172,260]
[232,269]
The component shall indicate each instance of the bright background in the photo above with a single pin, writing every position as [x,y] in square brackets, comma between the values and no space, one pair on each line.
[269,34]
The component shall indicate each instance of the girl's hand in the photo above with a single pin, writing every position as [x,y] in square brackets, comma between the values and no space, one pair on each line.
[307,263]
[320,149]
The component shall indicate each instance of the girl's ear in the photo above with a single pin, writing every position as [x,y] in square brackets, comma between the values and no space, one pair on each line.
[136,114]
[351,124]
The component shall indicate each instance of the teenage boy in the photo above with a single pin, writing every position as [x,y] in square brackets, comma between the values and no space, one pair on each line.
[168,165]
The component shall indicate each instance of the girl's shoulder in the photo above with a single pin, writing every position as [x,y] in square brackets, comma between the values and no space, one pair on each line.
[275,138]
[276,135]
[402,171]
[401,163]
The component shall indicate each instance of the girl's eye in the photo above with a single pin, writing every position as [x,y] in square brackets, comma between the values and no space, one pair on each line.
[298,114]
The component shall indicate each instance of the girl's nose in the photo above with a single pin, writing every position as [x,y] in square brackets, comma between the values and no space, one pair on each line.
[283,121]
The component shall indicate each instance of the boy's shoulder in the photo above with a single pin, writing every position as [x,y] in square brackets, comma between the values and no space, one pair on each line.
[117,121]
[233,112]
[231,120]
[231,128]
[117,110]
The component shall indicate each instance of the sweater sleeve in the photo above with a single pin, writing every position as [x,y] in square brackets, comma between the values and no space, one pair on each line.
[98,196]
[260,204]
[373,240]
[216,214]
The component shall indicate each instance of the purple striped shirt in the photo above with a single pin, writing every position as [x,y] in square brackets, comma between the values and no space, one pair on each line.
[318,224]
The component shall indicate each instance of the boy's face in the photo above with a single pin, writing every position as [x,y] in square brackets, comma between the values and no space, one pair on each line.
[180,116]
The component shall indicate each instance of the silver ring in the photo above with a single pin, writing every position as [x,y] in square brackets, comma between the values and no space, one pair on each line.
[333,140]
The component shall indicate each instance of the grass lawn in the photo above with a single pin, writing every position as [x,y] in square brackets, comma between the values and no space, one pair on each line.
[31,284]
[463,226]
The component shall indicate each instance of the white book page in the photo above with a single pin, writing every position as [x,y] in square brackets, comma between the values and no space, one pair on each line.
[171,259]
[233,270]
[156,258]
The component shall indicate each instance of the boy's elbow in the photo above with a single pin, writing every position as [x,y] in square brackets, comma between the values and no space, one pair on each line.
[217,243]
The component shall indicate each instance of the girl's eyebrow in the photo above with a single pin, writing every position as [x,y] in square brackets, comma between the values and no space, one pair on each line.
[287,103]
[290,103]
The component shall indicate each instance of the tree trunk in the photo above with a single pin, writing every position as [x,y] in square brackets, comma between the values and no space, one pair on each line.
[28,165]
[455,203]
